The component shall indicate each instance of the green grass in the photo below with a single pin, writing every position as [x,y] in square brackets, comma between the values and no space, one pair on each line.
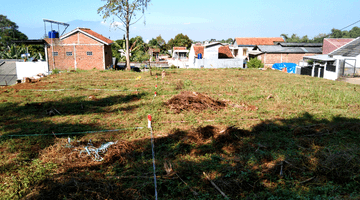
[307,128]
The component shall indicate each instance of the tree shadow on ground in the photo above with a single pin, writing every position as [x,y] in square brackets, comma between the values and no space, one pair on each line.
[284,159]
[33,118]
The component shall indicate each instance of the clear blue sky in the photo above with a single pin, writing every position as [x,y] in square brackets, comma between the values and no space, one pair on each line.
[199,19]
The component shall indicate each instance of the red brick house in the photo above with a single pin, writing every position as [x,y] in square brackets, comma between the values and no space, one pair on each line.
[331,44]
[81,48]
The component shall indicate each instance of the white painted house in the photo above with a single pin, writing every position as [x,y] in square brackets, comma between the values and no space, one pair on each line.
[350,53]
[213,55]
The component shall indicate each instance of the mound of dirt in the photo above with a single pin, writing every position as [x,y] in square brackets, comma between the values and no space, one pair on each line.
[69,157]
[194,101]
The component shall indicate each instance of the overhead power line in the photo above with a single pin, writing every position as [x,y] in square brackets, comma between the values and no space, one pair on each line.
[344,28]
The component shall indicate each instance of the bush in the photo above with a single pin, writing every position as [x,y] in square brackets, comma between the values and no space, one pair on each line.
[255,63]
[55,71]
[173,67]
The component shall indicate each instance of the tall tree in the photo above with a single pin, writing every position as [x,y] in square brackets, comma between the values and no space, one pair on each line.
[9,32]
[180,40]
[126,11]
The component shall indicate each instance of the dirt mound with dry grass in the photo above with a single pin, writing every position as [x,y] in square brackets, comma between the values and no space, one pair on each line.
[193,101]
[68,156]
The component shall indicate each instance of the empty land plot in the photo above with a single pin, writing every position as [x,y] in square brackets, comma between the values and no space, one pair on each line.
[256,134]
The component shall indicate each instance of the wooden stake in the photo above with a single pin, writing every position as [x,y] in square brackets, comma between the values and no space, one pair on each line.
[224,195]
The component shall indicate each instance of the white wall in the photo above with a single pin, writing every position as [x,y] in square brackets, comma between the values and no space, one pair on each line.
[351,62]
[30,69]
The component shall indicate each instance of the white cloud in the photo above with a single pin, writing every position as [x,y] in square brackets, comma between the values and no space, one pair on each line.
[115,24]
[187,23]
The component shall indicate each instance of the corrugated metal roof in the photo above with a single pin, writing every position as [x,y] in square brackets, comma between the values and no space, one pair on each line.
[292,44]
[281,49]
[8,73]
[351,49]
[320,57]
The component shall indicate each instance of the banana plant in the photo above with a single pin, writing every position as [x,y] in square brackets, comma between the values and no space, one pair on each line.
[13,52]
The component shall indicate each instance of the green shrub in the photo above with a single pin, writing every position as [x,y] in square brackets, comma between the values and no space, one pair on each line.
[255,63]
[55,71]
[173,67]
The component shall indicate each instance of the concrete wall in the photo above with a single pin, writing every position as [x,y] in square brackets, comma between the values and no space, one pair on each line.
[350,62]
[217,63]
[153,64]
[30,69]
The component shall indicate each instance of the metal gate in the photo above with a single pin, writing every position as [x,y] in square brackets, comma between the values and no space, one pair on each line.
[348,68]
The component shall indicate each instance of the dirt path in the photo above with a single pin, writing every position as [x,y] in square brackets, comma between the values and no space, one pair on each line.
[352,80]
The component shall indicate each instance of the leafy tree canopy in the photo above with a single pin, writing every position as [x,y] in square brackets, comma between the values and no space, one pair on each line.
[9,32]
[180,40]
[127,12]
[335,33]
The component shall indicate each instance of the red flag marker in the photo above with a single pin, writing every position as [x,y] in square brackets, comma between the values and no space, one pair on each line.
[156,77]
[155,86]
[149,121]
[155,93]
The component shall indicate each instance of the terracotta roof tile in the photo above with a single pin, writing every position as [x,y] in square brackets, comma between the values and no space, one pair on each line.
[331,44]
[179,48]
[199,49]
[97,35]
[258,41]
[224,52]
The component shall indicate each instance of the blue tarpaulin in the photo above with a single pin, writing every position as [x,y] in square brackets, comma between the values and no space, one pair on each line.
[290,67]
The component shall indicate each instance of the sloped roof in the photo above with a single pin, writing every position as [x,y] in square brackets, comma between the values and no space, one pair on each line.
[7,72]
[97,35]
[293,44]
[281,49]
[350,49]
[90,33]
[199,49]
[331,44]
[224,52]
[258,41]
[179,48]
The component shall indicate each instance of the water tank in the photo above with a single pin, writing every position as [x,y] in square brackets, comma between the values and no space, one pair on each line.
[53,34]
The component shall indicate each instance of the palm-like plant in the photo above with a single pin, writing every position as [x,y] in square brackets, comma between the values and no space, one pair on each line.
[12,52]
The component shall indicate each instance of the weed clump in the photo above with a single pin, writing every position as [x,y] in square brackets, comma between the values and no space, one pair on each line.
[194,101]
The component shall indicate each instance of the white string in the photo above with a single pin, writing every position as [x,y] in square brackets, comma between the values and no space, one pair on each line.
[153,155]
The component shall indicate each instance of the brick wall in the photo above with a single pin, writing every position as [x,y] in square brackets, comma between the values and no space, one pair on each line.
[79,44]
[269,59]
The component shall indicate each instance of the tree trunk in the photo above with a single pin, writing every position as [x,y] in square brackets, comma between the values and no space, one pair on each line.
[127,48]
[127,37]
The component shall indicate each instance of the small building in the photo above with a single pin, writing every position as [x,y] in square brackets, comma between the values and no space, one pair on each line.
[344,61]
[180,53]
[285,52]
[154,53]
[243,46]
[81,48]
[213,55]
[350,53]
[331,44]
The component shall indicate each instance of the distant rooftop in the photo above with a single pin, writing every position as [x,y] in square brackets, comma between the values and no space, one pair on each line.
[350,49]
[258,41]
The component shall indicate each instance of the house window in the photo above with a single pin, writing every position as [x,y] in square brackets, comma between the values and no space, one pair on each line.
[244,51]
[55,53]
[69,53]
[89,53]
